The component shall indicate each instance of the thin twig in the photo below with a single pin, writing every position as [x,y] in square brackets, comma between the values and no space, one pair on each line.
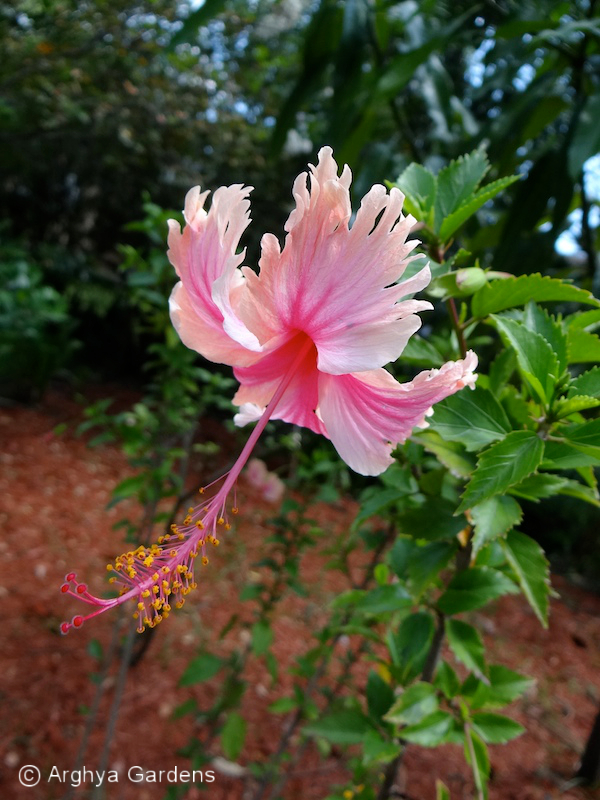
[116,702]
[93,713]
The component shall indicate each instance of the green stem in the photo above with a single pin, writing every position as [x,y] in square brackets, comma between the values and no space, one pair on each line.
[458,329]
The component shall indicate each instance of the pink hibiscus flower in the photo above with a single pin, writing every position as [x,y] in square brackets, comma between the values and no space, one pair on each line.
[308,338]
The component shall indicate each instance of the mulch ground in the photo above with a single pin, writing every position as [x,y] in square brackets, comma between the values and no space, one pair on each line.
[53,496]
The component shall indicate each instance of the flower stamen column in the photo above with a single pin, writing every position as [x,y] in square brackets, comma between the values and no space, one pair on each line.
[161,575]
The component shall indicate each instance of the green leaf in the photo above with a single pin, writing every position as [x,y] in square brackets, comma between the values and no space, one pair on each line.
[441,791]
[589,494]
[573,405]
[346,726]
[457,182]
[503,465]
[127,488]
[467,646]
[518,409]
[473,418]
[402,68]
[496,728]
[493,518]
[382,599]
[426,562]
[422,352]
[415,703]
[262,636]
[536,487]
[380,695]
[562,455]
[410,645]
[199,17]
[419,188]
[501,370]
[283,705]
[376,750]
[503,687]
[584,346]
[513,292]
[529,564]
[189,706]
[432,521]
[539,320]
[400,554]
[381,499]
[201,668]
[585,142]
[233,736]
[430,731]
[451,454]
[473,588]
[589,320]
[587,384]
[454,221]
[321,43]
[94,648]
[536,360]
[446,680]
[585,437]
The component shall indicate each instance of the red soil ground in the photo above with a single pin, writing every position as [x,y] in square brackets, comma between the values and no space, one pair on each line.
[53,496]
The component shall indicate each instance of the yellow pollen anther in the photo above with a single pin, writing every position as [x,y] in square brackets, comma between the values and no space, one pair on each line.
[109,567]
[220,521]
[204,560]
[140,606]
[235,510]
[201,490]
[146,593]
[200,525]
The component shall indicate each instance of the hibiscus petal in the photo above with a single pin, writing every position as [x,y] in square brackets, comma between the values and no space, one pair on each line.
[260,381]
[338,284]
[203,332]
[206,259]
[367,414]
